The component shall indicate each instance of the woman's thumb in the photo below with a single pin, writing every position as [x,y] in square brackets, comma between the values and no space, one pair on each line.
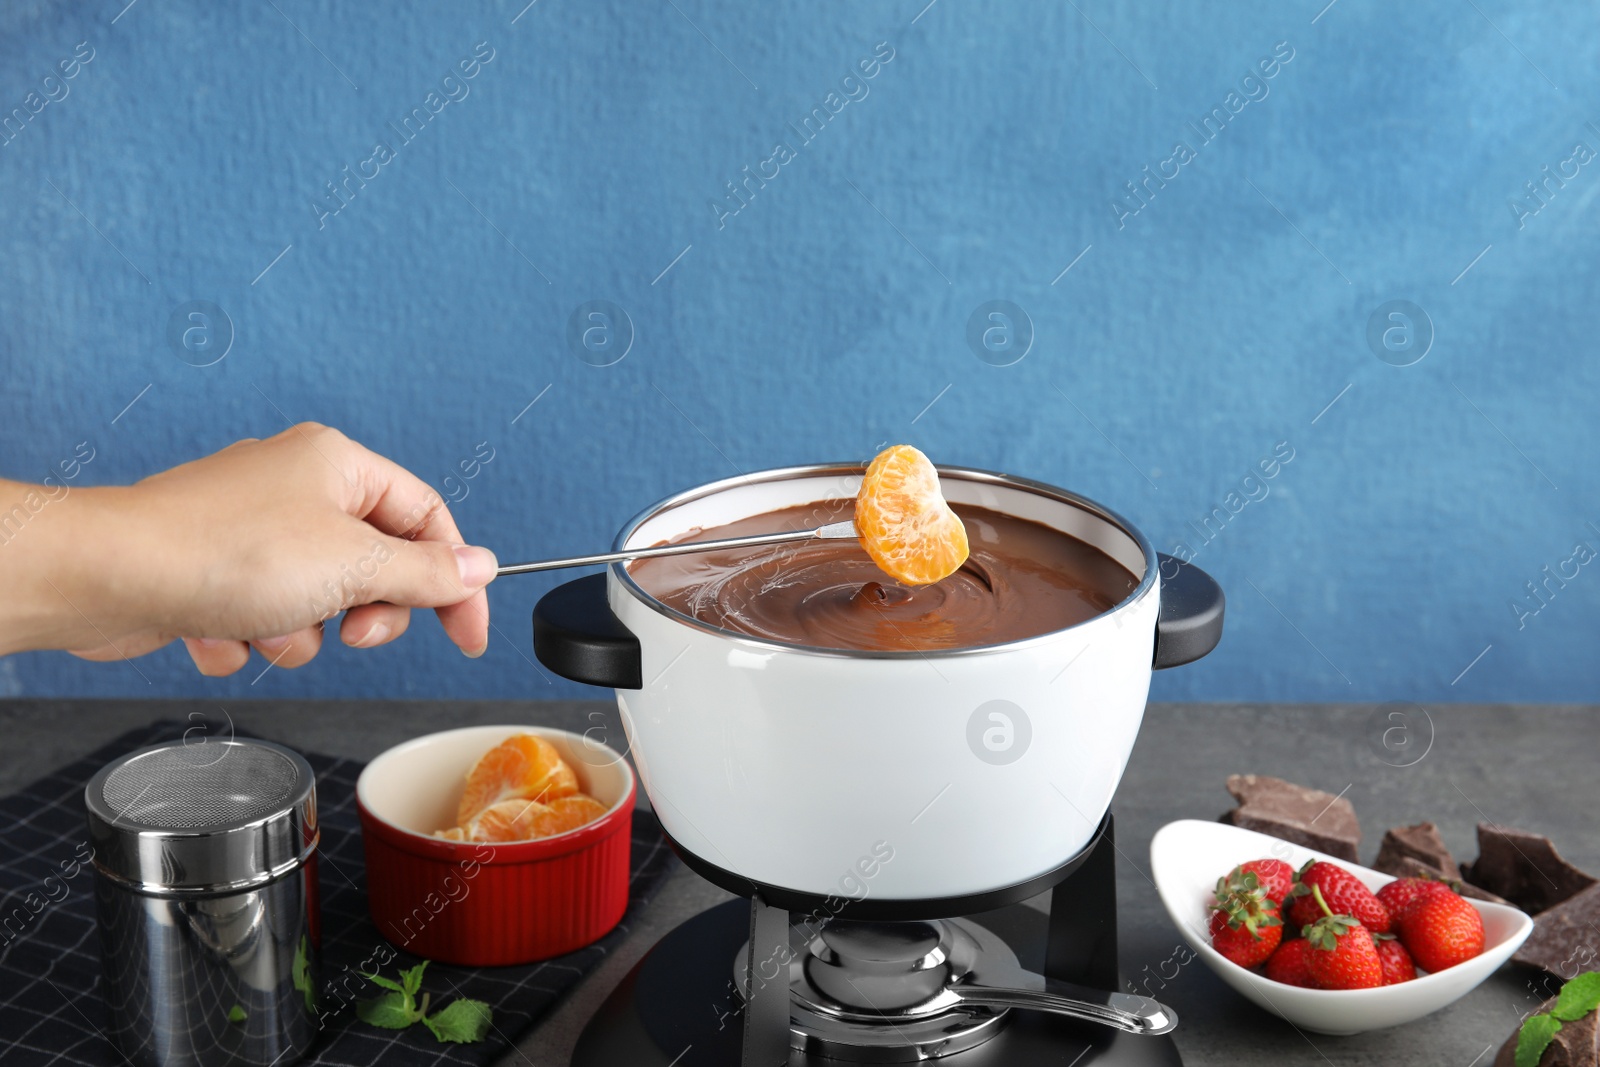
[432,574]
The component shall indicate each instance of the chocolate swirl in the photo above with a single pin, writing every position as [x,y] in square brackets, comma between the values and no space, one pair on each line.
[1022,579]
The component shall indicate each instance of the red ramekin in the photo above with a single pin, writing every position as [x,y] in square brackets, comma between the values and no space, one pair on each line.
[488,905]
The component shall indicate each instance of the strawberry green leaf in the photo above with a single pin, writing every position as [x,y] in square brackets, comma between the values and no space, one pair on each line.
[392,1011]
[1578,997]
[1239,879]
[412,979]
[461,1021]
[1326,931]
[1247,909]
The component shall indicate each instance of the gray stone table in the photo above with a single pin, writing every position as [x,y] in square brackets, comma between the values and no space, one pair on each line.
[1527,766]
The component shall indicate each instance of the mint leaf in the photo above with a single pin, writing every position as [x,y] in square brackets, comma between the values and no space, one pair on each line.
[302,975]
[387,983]
[237,1014]
[392,1011]
[1534,1038]
[412,979]
[1578,998]
[464,1020]
[461,1021]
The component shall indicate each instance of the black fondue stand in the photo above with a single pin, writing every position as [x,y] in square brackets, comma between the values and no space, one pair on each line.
[680,1007]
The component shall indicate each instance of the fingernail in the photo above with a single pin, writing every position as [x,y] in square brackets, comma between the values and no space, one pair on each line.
[209,642]
[477,565]
[272,644]
[474,654]
[374,636]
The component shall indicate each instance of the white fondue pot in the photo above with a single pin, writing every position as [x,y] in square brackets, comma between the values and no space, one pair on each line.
[899,775]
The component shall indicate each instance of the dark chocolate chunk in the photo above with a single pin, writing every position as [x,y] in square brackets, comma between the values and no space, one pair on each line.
[1524,868]
[1308,817]
[1411,867]
[1576,1044]
[1472,892]
[1421,842]
[1566,938]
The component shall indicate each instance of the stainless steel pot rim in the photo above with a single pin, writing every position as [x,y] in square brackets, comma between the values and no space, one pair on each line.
[1147,582]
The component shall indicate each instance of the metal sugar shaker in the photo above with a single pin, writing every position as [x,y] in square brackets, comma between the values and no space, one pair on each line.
[206,893]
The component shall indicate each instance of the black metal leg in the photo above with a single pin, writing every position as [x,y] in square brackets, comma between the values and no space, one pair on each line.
[766,1008]
[1083,920]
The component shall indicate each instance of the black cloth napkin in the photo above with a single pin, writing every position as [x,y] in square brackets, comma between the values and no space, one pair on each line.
[51,1010]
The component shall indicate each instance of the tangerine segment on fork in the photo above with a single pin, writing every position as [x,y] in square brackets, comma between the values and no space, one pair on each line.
[903,521]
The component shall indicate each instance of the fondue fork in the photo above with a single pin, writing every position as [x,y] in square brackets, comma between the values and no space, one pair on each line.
[832,531]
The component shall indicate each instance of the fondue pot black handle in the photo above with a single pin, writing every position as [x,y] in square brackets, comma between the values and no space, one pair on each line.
[576,635]
[1191,613]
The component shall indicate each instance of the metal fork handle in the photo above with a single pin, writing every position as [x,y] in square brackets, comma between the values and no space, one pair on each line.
[1123,1011]
[846,528]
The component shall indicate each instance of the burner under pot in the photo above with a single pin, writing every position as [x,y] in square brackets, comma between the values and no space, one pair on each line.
[910,991]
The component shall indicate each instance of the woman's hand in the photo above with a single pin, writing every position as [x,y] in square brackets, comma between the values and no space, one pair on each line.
[256,545]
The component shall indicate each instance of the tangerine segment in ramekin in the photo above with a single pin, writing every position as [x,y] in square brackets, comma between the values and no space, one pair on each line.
[479,904]
[524,766]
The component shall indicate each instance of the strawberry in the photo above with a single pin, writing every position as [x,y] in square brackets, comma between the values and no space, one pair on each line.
[1442,931]
[1402,893]
[1395,960]
[1245,927]
[1344,893]
[1274,877]
[1342,955]
[1290,964]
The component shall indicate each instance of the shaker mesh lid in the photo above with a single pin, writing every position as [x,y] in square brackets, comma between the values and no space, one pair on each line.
[202,787]
[204,817]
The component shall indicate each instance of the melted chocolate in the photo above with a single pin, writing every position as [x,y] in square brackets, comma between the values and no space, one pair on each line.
[1021,580]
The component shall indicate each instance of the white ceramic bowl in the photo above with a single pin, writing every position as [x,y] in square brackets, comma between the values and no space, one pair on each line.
[1186,859]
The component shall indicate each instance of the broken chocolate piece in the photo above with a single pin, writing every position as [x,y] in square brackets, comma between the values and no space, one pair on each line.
[1411,867]
[1576,1044]
[1295,813]
[1472,892]
[1524,868]
[1421,842]
[1566,938]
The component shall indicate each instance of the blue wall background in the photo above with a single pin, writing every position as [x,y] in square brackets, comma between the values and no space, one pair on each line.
[830,314]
